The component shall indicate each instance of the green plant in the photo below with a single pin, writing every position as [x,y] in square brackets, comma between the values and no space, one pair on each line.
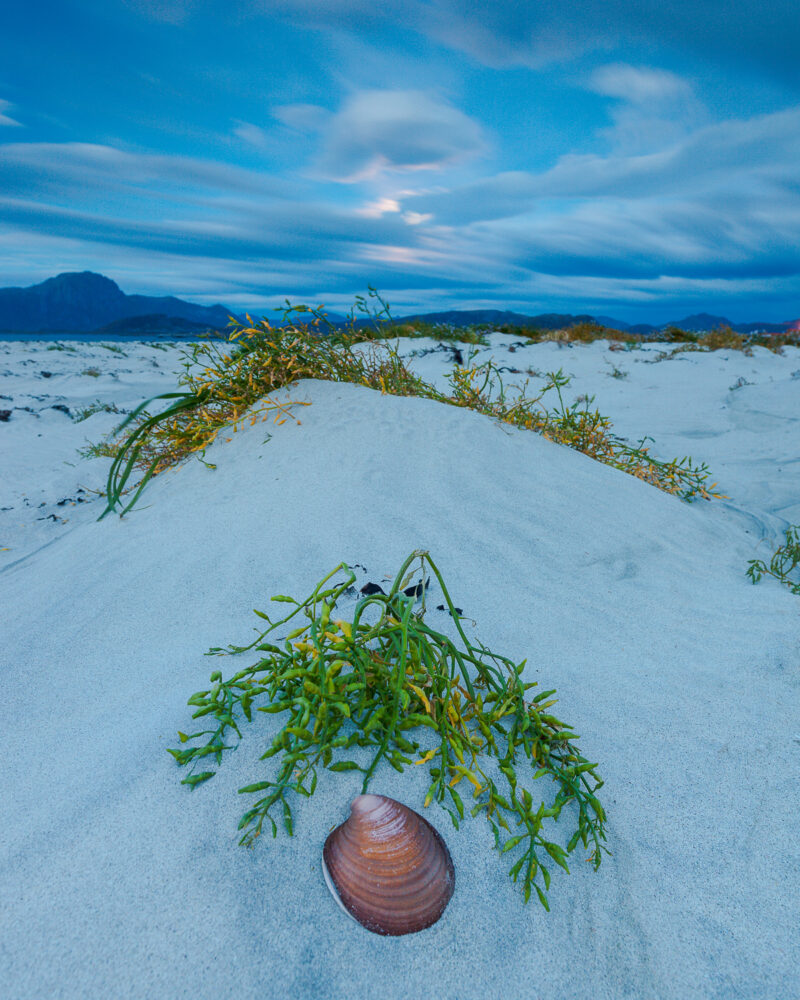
[783,562]
[83,412]
[115,349]
[389,691]
[577,427]
[94,372]
[221,384]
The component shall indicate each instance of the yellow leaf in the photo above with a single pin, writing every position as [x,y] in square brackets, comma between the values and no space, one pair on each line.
[421,695]
[345,628]
[471,777]
[426,757]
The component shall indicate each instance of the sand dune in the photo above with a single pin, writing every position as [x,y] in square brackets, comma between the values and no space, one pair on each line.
[682,678]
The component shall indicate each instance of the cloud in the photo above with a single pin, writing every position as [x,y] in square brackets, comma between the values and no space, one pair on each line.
[537,35]
[719,205]
[398,130]
[642,85]
[746,160]
[653,108]
[252,135]
[302,117]
[80,170]
[4,118]
[375,209]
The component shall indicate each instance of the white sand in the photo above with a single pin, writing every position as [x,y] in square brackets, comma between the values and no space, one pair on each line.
[682,678]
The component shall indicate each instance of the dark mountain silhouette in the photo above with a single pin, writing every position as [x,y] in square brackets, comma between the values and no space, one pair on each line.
[495,317]
[700,322]
[85,302]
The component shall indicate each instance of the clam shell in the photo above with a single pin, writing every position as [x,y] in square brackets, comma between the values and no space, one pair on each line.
[387,867]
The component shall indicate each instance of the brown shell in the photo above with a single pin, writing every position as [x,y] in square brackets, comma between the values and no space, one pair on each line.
[388,868]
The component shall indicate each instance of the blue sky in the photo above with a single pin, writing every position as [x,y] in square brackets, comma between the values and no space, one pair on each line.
[629,157]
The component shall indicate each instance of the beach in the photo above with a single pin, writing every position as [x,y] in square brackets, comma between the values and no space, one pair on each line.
[681,677]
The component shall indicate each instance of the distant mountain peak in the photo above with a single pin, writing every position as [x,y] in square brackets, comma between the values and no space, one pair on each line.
[83,301]
[84,279]
[702,321]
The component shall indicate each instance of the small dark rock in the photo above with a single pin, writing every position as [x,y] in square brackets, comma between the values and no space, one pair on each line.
[441,607]
[46,374]
[416,589]
[5,415]
[62,408]
[372,588]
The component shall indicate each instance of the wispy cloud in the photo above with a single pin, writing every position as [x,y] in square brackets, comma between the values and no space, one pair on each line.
[303,117]
[652,107]
[4,118]
[521,33]
[252,135]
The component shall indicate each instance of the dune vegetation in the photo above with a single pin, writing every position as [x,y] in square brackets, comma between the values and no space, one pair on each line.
[223,380]
[364,688]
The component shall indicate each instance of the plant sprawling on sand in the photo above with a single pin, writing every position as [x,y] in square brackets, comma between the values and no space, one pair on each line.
[379,686]
[783,562]
[223,380]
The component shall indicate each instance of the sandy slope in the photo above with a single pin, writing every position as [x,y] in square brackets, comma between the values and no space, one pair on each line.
[682,678]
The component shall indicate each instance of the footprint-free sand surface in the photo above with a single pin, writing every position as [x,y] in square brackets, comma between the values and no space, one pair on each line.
[681,677]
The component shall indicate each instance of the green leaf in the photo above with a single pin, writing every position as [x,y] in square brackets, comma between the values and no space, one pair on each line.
[542,898]
[259,786]
[511,844]
[344,765]
[515,870]
[195,779]
[557,854]
[416,719]
[287,817]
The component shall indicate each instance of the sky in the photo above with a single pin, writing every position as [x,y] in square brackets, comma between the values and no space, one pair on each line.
[631,158]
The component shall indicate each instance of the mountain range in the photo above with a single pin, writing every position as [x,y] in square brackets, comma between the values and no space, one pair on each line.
[85,302]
